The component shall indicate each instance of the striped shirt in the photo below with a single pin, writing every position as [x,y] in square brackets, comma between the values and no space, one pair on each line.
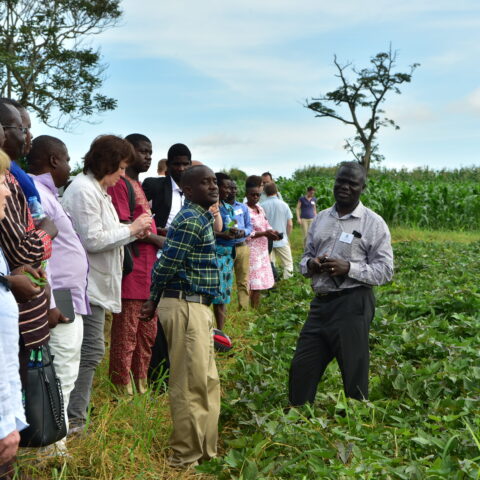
[22,244]
[188,261]
[369,251]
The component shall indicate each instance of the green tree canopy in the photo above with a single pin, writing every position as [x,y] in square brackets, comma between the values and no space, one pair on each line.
[236,174]
[46,62]
[357,102]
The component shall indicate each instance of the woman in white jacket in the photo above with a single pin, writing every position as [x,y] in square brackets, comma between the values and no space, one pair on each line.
[103,236]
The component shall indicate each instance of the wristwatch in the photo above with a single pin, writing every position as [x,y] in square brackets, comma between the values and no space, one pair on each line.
[5,282]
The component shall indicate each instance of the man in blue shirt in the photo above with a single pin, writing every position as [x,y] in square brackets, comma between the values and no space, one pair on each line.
[242,251]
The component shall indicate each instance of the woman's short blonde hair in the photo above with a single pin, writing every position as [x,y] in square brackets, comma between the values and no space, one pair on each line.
[4,162]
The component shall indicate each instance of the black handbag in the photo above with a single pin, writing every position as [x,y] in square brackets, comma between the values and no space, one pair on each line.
[44,407]
[130,249]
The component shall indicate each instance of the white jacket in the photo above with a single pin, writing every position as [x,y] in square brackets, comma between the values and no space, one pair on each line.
[103,236]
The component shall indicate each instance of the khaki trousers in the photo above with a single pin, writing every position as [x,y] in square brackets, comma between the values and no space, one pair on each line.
[285,256]
[305,223]
[194,386]
[242,268]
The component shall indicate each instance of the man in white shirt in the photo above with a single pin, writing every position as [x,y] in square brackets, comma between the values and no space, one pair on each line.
[267,178]
[164,193]
[279,216]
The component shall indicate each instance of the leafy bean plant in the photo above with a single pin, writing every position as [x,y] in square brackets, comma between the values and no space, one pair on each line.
[422,419]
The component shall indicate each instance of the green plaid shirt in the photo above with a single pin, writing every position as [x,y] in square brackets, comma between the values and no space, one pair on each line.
[188,262]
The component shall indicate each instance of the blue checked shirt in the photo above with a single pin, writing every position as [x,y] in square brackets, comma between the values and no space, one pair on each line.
[188,262]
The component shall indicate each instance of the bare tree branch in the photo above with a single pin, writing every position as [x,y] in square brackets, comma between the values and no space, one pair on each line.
[362,98]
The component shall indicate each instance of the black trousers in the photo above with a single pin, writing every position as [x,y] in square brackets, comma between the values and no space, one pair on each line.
[337,327]
[159,363]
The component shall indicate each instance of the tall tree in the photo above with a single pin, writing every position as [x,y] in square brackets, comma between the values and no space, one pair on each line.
[46,62]
[357,102]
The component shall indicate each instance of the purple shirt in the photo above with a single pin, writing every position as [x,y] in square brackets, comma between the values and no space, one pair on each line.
[68,264]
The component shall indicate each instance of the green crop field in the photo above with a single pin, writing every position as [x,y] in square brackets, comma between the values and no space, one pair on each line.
[422,420]
[423,417]
[425,199]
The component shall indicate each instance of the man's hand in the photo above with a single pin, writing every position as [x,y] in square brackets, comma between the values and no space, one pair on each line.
[148,311]
[155,240]
[55,316]
[272,235]
[238,232]
[336,267]
[47,225]
[227,234]
[9,446]
[23,288]
[315,265]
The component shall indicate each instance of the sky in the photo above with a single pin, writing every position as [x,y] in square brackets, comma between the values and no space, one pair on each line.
[230,80]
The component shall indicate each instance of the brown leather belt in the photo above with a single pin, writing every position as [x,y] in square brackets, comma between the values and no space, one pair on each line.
[196,298]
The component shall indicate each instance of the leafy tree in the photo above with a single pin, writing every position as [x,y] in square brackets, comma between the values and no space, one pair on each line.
[236,174]
[46,62]
[359,101]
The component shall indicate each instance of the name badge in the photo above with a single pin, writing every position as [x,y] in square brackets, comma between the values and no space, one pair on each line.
[239,211]
[312,202]
[346,237]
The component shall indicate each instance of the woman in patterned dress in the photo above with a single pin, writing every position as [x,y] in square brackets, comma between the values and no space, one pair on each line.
[224,246]
[261,275]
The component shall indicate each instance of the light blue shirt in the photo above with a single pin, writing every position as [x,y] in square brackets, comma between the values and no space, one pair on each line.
[12,414]
[278,214]
[242,216]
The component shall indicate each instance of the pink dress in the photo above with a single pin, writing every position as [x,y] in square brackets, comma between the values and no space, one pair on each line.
[261,275]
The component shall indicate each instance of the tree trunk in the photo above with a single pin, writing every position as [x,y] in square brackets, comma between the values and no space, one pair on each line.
[366,157]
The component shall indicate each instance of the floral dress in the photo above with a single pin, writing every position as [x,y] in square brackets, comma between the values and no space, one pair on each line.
[260,276]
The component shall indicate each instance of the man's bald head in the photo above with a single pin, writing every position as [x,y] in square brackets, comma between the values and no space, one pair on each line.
[200,186]
[49,155]
[356,167]
[43,147]
[191,175]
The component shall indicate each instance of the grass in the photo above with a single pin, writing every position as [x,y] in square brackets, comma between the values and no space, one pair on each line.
[418,422]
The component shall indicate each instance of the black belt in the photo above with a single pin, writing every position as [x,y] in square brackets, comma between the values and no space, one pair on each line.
[196,298]
[241,244]
[337,293]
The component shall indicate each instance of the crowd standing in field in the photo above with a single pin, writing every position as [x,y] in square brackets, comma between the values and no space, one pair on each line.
[161,256]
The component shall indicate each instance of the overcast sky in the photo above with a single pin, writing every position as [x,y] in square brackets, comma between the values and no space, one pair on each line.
[229,80]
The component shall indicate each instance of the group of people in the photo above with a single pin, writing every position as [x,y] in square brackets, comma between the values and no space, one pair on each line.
[161,257]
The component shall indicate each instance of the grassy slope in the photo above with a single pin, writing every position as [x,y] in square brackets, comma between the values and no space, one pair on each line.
[128,439]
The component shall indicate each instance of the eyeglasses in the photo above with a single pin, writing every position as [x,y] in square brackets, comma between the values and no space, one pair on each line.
[24,130]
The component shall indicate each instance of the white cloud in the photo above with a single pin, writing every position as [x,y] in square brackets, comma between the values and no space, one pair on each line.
[246,44]
[220,140]
[409,112]
[469,104]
